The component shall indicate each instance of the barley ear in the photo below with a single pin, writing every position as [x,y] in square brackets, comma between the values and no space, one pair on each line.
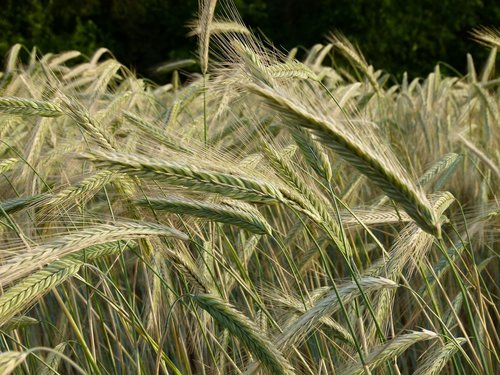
[23,264]
[444,165]
[230,185]
[313,153]
[354,55]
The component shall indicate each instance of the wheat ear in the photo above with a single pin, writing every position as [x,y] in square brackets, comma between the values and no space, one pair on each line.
[226,184]
[7,164]
[18,322]
[329,304]
[29,107]
[434,361]
[40,282]
[396,186]
[241,215]
[26,263]
[386,351]
[53,360]
[207,9]
[246,331]
[10,360]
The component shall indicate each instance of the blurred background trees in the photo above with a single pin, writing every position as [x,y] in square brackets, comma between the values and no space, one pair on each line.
[394,35]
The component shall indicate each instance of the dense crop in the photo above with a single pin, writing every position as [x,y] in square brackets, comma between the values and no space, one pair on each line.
[268,215]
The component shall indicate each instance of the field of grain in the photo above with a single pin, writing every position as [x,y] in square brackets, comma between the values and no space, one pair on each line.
[267,215]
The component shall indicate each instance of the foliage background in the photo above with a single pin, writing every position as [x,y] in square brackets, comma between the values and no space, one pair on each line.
[397,36]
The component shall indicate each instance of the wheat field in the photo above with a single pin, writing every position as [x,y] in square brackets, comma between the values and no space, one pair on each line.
[266,215]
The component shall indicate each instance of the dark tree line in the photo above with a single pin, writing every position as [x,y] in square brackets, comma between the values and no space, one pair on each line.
[394,35]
